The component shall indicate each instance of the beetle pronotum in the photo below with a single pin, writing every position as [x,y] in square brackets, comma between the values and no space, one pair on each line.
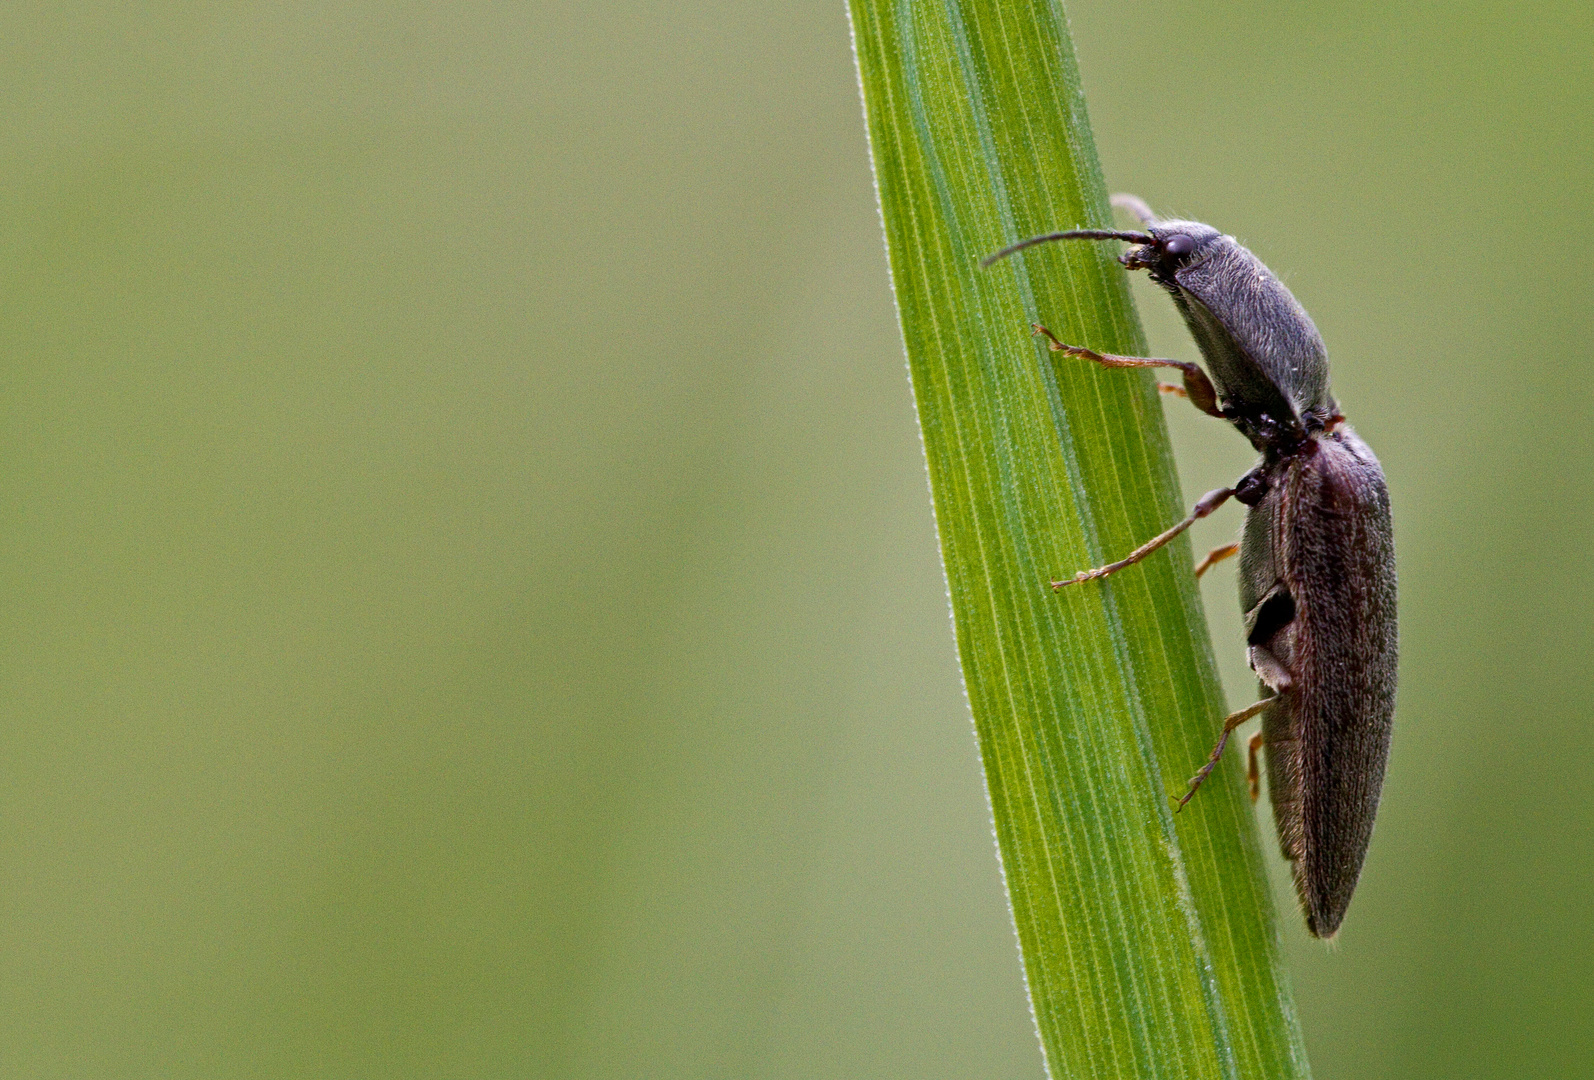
[1317,557]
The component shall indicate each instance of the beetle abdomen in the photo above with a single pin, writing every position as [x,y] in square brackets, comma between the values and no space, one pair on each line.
[1328,740]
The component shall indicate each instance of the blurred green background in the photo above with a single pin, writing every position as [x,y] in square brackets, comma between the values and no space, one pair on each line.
[470,604]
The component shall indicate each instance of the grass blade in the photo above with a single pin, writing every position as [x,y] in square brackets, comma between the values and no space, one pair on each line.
[1148,940]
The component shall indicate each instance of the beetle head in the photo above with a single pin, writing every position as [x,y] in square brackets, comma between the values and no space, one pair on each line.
[1174,245]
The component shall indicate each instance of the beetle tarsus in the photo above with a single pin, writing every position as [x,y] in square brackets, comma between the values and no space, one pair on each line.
[1086,575]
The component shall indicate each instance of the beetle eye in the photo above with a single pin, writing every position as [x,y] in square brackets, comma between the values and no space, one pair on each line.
[1179,244]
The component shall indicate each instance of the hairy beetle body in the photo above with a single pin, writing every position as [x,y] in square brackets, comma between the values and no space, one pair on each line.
[1317,556]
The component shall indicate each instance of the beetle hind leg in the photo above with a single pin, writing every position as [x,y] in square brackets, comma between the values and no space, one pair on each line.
[1253,772]
[1232,721]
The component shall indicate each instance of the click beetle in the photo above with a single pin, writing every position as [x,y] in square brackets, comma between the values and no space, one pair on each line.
[1317,554]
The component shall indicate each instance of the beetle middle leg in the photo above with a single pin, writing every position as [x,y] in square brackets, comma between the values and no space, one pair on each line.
[1233,721]
[1208,503]
[1197,387]
[1215,556]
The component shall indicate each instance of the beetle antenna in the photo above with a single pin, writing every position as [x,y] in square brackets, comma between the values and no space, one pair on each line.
[1072,234]
[1136,206]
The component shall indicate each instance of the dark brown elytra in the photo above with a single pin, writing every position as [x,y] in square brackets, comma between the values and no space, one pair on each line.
[1317,556]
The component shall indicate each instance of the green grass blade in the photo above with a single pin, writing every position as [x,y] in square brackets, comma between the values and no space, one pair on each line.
[1148,939]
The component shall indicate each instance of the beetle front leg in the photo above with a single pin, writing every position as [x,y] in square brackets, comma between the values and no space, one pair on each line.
[1209,502]
[1231,722]
[1197,387]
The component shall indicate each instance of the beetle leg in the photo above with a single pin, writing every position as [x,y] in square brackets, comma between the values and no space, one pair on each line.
[1209,502]
[1233,721]
[1197,387]
[1253,774]
[1216,555]
[1136,206]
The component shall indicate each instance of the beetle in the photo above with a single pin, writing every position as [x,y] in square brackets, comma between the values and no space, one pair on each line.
[1317,553]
